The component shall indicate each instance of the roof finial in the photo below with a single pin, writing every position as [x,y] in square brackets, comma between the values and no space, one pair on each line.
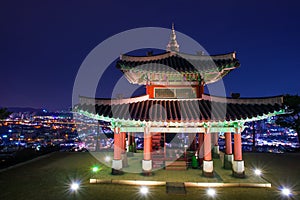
[173,45]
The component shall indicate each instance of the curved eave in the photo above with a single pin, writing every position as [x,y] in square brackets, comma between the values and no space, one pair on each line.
[103,101]
[254,100]
[224,123]
[272,100]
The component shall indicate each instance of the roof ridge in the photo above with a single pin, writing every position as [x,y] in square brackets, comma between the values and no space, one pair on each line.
[132,58]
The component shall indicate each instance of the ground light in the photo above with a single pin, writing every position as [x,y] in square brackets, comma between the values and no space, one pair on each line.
[74,186]
[107,159]
[211,192]
[144,190]
[257,172]
[95,169]
[286,191]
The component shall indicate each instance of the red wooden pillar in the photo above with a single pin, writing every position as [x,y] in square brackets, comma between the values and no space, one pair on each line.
[228,157]
[117,161]
[123,150]
[237,147]
[147,162]
[147,146]
[207,147]
[117,144]
[208,169]
[228,143]
[123,142]
[238,168]
[200,148]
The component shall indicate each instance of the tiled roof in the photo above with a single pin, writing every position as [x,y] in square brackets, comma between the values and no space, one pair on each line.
[194,110]
[179,62]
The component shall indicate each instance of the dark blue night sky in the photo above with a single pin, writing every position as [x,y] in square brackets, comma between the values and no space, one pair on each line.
[43,43]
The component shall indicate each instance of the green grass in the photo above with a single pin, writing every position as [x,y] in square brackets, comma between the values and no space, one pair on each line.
[49,178]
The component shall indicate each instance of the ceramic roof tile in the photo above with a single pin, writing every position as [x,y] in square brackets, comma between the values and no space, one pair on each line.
[180,110]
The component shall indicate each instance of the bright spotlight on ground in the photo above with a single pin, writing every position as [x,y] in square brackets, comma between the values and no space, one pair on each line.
[286,191]
[107,159]
[144,190]
[257,172]
[211,192]
[95,169]
[74,186]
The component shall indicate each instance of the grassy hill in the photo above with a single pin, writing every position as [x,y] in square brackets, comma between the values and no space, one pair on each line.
[50,178]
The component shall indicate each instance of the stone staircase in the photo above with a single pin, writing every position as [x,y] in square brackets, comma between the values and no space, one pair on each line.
[158,156]
[176,165]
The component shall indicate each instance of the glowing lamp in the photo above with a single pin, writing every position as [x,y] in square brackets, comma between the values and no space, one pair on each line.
[257,172]
[74,186]
[95,169]
[211,192]
[107,159]
[144,190]
[286,191]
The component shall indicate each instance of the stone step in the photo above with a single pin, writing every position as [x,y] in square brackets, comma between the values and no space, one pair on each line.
[176,165]
[175,188]
[158,164]
[176,168]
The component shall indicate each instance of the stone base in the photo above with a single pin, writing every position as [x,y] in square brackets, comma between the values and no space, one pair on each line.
[216,152]
[147,167]
[117,164]
[124,160]
[238,169]
[208,174]
[147,173]
[116,172]
[228,160]
[116,167]
[208,168]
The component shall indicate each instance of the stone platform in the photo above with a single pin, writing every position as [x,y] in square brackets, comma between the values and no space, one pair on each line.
[190,177]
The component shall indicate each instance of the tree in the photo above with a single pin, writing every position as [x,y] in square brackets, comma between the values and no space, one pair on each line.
[4,113]
[292,117]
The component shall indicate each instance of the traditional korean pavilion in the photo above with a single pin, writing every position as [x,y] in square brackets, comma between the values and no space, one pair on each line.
[175,103]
